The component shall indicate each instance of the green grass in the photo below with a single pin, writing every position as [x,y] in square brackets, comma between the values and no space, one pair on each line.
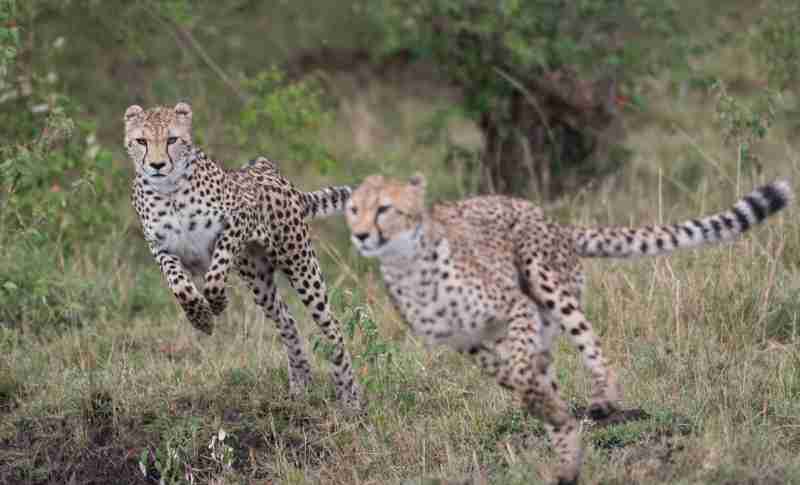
[101,375]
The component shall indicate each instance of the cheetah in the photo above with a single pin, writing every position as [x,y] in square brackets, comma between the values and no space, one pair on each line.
[201,220]
[493,278]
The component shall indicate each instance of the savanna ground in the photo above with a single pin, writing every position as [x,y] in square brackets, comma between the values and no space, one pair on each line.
[102,380]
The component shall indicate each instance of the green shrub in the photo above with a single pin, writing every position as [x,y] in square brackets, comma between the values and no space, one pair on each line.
[541,78]
[283,118]
[777,42]
[59,195]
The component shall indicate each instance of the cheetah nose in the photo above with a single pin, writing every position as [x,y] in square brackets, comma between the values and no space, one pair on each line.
[158,165]
[361,236]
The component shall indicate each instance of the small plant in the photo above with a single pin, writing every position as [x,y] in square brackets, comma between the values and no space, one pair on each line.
[171,461]
[359,324]
[743,126]
[290,112]
[165,467]
[9,39]
[222,454]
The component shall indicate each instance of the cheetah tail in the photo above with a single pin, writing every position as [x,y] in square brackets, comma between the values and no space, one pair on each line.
[325,202]
[623,242]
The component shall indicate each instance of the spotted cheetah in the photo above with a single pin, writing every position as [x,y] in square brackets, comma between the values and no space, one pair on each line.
[493,278]
[201,220]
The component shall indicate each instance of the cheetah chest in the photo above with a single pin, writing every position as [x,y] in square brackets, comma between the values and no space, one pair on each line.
[190,234]
[446,308]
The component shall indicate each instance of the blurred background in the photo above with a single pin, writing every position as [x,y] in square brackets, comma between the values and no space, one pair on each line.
[603,111]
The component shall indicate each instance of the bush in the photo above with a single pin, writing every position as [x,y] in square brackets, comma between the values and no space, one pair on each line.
[290,114]
[777,42]
[58,194]
[541,78]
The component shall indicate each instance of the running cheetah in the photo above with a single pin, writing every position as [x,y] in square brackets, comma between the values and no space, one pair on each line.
[201,220]
[493,278]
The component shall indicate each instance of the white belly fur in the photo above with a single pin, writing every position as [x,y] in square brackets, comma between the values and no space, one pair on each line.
[195,247]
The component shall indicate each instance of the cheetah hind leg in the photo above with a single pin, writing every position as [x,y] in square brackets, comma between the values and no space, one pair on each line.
[520,363]
[311,287]
[258,274]
[560,306]
[531,380]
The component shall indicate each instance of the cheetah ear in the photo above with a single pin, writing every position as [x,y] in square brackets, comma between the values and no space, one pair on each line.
[184,113]
[132,112]
[418,180]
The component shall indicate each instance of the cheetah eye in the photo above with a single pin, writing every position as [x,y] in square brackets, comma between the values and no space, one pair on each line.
[171,140]
[383,208]
[141,141]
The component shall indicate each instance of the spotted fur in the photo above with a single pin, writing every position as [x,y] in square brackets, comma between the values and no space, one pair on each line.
[493,278]
[202,221]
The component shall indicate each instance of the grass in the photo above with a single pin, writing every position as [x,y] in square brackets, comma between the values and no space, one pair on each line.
[120,389]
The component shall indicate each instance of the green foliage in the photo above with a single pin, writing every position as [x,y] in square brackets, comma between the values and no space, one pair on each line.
[283,118]
[176,458]
[540,77]
[179,11]
[777,42]
[376,354]
[744,126]
[9,39]
[58,192]
[59,186]
[468,40]
[170,460]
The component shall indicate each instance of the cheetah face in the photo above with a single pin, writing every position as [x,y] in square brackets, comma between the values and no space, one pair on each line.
[159,141]
[385,216]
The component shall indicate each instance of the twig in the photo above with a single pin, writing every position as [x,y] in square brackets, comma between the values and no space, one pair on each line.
[213,65]
[183,34]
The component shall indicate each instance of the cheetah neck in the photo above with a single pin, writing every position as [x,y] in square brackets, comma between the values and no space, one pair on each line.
[419,246]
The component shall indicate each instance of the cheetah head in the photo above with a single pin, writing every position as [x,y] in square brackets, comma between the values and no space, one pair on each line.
[385,216]
[159,141]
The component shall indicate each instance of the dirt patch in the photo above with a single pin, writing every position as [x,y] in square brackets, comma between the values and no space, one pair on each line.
[99,446]
[44,452]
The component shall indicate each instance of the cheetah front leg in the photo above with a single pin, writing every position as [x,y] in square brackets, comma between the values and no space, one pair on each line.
[226,253]
[194,305]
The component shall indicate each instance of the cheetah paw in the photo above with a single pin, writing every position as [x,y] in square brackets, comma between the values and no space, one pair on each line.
[352,401]
[599,410]
[217,303]
[202,319]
